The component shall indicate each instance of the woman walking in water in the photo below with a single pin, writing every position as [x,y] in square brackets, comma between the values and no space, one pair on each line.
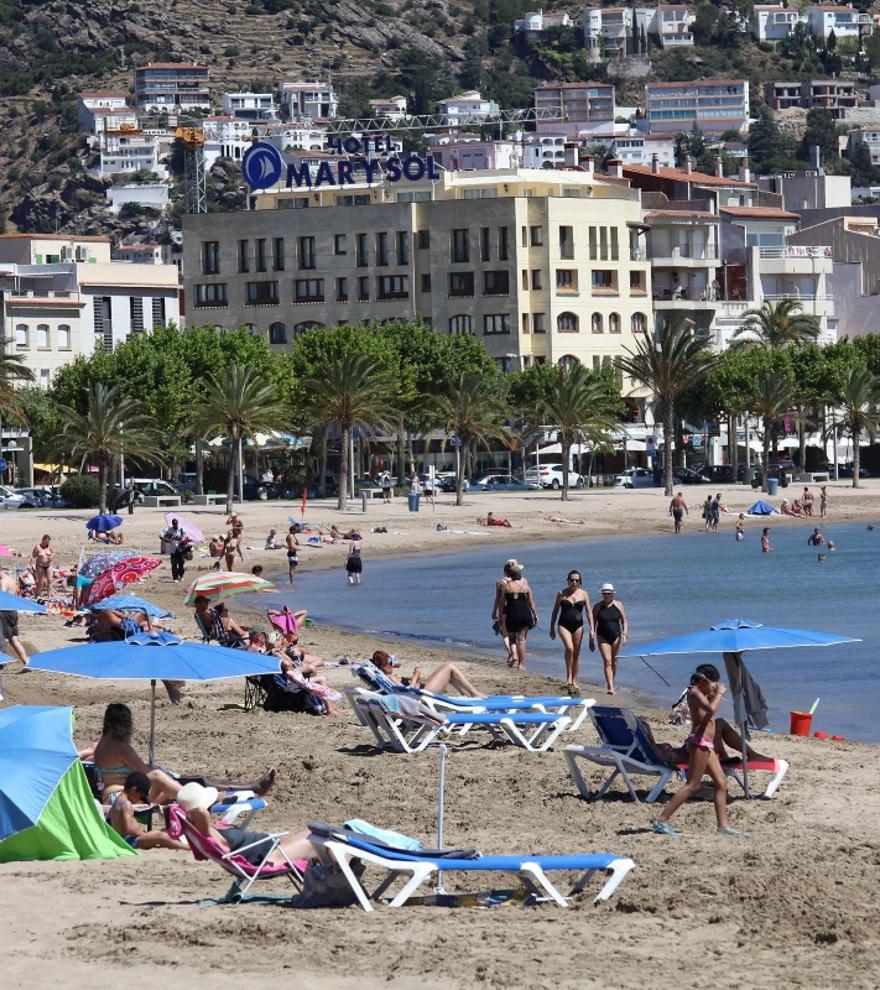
[517,610]
[572,604]
[354,564]
[497,603]
[611,626]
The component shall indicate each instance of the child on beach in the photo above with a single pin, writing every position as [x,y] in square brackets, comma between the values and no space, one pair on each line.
[704,699]
[740,527]
[765,540]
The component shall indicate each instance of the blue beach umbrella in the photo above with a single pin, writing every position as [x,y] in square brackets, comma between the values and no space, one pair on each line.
[103,523]
[131,603]
[154,657]
[12,603]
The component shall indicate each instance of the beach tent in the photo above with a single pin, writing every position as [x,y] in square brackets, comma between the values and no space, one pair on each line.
[46,807]
[761,508]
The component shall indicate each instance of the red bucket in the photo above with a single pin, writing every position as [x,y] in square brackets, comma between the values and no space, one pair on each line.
[800,723]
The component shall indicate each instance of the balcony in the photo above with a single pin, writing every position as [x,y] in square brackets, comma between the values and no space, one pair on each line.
[684,255]
[795,259]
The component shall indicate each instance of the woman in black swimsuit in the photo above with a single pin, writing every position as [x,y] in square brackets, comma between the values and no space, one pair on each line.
[611,626]
[517,609]
[572,604]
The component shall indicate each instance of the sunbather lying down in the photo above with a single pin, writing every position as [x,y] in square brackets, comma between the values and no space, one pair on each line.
[438,682]
[725,735]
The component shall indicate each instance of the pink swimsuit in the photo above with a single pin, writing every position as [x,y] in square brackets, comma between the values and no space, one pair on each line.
[700,742]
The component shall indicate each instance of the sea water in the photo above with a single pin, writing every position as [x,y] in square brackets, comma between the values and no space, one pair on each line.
[670,585]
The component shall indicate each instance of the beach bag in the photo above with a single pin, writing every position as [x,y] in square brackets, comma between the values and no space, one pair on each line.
[327,886]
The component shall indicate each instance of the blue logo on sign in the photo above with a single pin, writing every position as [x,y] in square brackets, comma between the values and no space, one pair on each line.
[262,165]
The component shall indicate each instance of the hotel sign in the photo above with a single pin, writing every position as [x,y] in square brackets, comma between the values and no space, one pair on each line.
[263,165]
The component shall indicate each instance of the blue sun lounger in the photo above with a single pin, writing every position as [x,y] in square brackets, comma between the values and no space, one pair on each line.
[344,846]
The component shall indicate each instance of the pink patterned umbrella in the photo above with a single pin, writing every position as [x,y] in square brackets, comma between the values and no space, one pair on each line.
[118,576]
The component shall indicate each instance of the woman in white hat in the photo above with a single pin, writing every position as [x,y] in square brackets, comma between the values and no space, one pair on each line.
[609,617]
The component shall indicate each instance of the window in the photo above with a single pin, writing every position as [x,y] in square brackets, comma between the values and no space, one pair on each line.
[309,290]
[593,244]
[603,280]
[637,282]
[614,247]
[502,244]
[496,283]
[261,293]
[278,254]
[342,290]
[566,242]
[363,288]
[382,249]
[461,283]
[340,243]
[540,359]
[43,336]
[525,280]
[567,361]
[485,244]
[566,281]
[567,323]
[426,283]
[536,236]
[136,314]
[212,294]
[45,378]
[525,323]
[596,323]
[301,328]
[262,262]
[597,362]
[277,333]
[537,279]
[639,323]
[392,287]
[306,253]
[423,239]
[525,236]
[460,324]
[614,323]
[539,323]
[362,251]
[461,245]
[158,312]
[63,337]
[210,257]
[496,323]
[403,247]
[603,243]
[244,256]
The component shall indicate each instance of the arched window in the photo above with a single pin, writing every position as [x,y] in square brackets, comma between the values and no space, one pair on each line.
[639,323]
[614,323]
[277,333]
[567,361]
[252,329]
[460,324]
[63,337]
[567,323]
[305,326]
[21,335]
[596,323]
[43,335]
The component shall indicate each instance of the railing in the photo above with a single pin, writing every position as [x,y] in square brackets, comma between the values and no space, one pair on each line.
[691,251]
[796,251]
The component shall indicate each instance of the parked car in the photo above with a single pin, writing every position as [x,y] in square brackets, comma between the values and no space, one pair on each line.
[719,474]
[35,498]
[635,478]
[497,483]
[687,476]
[550,476]
[153,486]
[446,481]
[6,493]
[846,471]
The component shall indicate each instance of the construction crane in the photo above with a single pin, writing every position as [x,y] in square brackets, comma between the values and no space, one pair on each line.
[442,121]
[193,140]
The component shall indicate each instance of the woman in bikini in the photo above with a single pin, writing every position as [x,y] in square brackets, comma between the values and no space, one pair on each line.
[517,609]
[611,631]
[704,699]
[572,604]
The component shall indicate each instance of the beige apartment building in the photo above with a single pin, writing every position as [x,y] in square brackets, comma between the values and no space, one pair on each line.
[542,266]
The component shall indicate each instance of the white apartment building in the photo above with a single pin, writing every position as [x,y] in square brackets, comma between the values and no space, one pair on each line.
[62,297]
[773,22]
[534,24]
[475,154]
[129,151]
[607,31]
[394,107]
[670,24]
[226,137]
[869,138]
[153,195]
[845,22]
[163,87]
[465,108]
[636,148]
[250,106]
[541,265]
[139,254]
[292,136]
[713,105]
[100,110]
[312,100]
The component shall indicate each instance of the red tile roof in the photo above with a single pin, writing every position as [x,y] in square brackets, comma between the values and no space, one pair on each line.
[680,175]
[760,213]
[682,215]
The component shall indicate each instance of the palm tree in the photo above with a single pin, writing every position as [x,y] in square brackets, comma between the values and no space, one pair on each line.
[12,371]
[860,398]
[777,325]
[238,403]
[772,397]
[111,426]
[668,366]
[470,410]
[580,406]
[350,392]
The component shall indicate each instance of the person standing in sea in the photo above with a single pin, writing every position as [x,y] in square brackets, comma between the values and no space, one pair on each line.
[572,604]
[354,563]
[518,613]
[677,509]
[497,604]
[609,616]
[292,545]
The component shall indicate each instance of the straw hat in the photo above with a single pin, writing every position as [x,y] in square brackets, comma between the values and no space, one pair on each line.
[194,795]
[514,564]
[608,586]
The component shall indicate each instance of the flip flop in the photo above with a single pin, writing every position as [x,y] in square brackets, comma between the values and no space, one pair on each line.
[731,831]
[663,828]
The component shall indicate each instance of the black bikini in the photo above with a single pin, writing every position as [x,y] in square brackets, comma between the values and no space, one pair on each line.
[571,615]
[608,622]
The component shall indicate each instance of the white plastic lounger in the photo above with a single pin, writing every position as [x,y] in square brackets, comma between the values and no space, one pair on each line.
[343,847]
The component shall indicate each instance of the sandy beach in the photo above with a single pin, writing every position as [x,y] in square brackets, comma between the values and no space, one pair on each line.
[791,903]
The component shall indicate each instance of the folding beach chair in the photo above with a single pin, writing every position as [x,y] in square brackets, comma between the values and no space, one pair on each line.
[627,751]
[344,846]
[234,863]
[254,692]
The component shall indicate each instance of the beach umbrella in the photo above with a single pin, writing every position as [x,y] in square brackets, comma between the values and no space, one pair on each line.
[187,525]
[220,585]
[103,523]
[156,656]
[13,603]
[92,566]
[131,603]
[118,576]
[732,638]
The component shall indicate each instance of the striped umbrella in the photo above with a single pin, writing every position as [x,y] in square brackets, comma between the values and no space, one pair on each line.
[224,584]
[118,576]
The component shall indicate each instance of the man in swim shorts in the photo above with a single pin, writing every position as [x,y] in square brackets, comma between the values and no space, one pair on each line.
[677,509]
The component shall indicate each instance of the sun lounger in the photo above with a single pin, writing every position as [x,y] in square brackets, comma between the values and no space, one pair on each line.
[343,847]
[234,863]
[627,751]
[408,725]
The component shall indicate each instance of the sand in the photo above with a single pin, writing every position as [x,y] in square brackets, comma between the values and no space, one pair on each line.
[792,903]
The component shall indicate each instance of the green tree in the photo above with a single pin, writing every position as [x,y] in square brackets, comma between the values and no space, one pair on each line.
[13,370]
[668,366]
[239,403]
[112,426]
[777,324]
[821,131]
[772,396]
[859,397]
